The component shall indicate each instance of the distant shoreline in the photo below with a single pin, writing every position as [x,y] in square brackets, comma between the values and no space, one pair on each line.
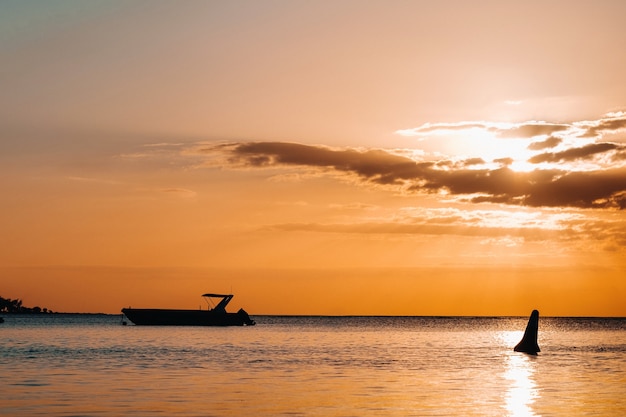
[24,314]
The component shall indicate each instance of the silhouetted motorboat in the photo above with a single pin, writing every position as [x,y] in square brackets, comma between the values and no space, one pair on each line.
[216,316]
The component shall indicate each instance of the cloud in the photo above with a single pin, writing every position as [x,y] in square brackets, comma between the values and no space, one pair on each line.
[378,166]
[405,229]
[94,180]
[611,123]
[610,232]
[500,225]
[581,170]
[595,189]
[180,192]
[548,143]
[504,161]
[426,128]
[527,129]
[530,130]
[473,161]
[621,155]
[576,153]
[575,230]
[539,188]
[446,221]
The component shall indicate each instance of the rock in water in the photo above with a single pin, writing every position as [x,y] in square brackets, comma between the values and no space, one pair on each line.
[528,344]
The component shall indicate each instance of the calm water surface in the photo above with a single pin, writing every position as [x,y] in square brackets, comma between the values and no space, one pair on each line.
[312,366]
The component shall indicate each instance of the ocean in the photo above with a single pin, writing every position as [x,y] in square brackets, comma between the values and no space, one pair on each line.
[91,365]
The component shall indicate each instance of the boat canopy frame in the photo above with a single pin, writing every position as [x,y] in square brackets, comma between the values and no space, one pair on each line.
[221,306]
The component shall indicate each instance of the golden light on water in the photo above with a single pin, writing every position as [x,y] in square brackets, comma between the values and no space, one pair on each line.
[519,373]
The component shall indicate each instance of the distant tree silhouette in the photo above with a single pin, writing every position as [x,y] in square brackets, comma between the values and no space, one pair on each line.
[8,305]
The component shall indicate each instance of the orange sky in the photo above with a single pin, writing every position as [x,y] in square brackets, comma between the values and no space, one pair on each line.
[344,157]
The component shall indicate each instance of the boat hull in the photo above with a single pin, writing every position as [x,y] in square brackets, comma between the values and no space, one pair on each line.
[164,317]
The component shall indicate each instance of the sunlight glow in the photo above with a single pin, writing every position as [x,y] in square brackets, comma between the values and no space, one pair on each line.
[522,391]
[476,140]
[522,166]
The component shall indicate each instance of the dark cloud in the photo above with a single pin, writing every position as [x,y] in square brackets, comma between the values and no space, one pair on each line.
[575,153]
[444,164]
[605,125]
[550,188]
[550,142]
[375,165]
[530,130]
[504,161]
[473,161]
[594,189]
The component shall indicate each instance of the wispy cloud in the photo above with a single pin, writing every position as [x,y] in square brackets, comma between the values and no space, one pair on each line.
[594,129]
[529,130]
[94,180]
[504,130]
[499,227]
[431,128]
[180,192]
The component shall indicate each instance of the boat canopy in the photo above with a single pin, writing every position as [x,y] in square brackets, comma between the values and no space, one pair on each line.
[221,306]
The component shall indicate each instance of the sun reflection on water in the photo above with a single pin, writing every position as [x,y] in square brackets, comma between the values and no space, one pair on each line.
[522,391]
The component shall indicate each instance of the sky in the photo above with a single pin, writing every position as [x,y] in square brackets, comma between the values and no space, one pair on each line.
[315,157]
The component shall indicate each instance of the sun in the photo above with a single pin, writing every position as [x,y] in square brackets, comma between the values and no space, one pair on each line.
[484,144]
[476,141]
[522,166]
